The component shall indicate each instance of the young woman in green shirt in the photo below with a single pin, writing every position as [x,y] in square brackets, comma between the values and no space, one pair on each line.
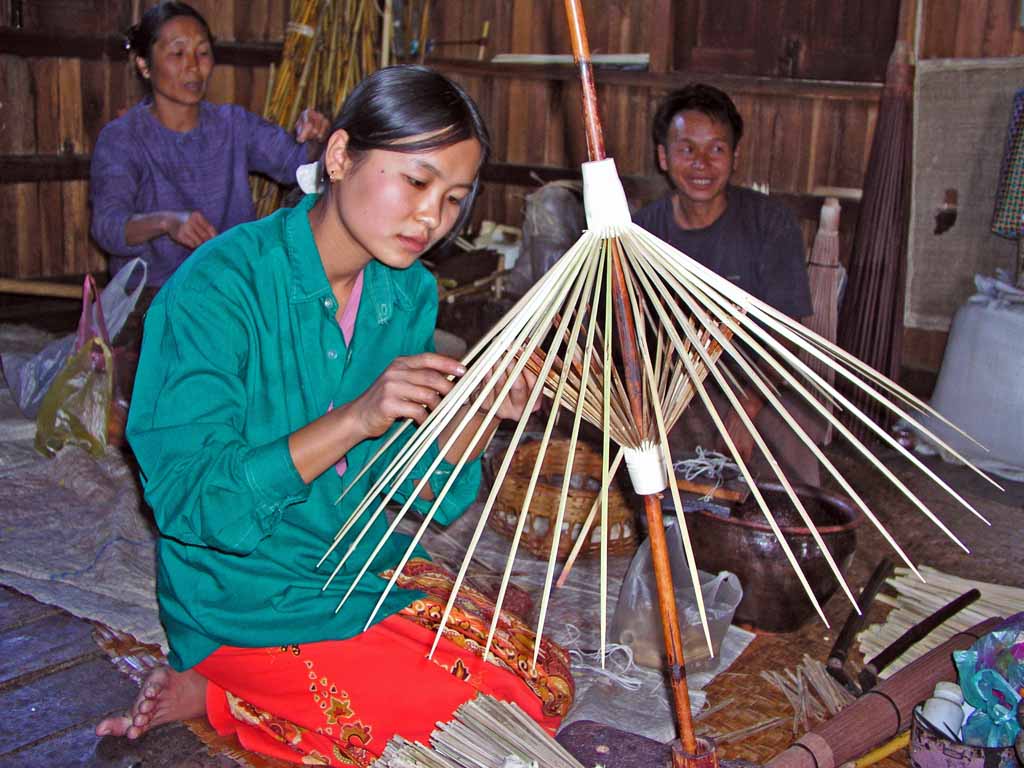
[277,359]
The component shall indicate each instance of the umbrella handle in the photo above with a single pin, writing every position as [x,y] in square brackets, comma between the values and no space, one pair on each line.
[581,53]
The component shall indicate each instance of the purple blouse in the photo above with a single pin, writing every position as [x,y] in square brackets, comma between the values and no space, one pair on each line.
[139,165]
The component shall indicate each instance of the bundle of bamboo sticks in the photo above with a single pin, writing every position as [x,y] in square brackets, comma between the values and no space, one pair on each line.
[328,48]
[916,600]
[485,733]
[811,691]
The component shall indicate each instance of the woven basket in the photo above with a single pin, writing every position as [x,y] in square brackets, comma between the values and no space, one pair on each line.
[584,489]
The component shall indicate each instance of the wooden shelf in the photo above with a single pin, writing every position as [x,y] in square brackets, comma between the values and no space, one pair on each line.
[734,84]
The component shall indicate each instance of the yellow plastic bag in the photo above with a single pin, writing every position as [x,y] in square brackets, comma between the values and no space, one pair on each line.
[76,408]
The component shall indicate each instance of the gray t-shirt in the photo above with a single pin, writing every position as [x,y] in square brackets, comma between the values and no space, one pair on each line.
[756,244]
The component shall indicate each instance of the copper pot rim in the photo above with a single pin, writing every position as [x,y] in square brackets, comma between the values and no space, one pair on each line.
[837,501]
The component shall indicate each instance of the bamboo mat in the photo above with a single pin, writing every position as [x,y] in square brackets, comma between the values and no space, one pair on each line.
[753,700]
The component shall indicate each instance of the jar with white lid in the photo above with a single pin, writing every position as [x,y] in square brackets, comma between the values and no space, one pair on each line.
[944,710]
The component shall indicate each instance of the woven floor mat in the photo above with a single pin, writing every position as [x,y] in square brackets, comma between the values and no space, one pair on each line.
[752,700]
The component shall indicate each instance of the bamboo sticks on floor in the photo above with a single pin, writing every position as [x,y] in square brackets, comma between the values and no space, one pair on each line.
[484,733]
[811,692]
[916,600]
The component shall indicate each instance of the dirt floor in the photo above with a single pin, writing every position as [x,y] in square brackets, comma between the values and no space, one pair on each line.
[55,682]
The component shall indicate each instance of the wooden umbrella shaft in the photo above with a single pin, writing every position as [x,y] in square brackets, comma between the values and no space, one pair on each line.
[626,328]
[581,52]
[633,370]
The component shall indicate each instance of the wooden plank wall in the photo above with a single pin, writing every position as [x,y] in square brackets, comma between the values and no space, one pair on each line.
[53,105]
[801,135]
[960,29]
[971,29]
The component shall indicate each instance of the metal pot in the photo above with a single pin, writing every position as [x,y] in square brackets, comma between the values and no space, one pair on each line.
[773,598]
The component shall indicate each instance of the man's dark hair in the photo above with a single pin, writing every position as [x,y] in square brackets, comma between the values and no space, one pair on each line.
[140,38]
[397,103]
[699,97]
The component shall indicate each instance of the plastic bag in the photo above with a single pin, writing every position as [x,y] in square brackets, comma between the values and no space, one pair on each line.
[29,378]
[991,675]
[553,221]
[78,405]
[637,620]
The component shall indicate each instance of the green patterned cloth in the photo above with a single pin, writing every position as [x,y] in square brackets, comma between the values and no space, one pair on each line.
[1008,219]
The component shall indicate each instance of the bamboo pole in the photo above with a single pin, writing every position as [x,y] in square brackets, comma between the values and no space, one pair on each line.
[385,43]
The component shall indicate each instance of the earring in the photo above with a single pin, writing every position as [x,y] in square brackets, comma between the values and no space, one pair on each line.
[333,176]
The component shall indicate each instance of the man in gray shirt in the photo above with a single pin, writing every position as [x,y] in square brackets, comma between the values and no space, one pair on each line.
[742,235]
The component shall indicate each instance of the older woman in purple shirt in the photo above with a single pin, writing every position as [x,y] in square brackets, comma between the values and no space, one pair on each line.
[173,171]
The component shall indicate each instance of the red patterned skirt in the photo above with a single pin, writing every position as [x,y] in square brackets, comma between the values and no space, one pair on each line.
[338,702]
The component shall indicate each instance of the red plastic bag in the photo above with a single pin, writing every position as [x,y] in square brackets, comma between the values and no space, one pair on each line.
[80,408]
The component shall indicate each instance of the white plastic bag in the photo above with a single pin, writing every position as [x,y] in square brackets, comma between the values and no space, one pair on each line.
[637,621]
[29,378]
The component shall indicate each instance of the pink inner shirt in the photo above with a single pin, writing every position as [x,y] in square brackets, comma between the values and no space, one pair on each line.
[347,323]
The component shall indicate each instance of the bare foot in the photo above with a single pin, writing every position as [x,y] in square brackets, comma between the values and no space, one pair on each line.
[166,696]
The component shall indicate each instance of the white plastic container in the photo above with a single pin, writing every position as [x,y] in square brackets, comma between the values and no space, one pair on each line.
[944,710]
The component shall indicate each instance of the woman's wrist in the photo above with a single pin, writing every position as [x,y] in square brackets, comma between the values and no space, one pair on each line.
[348,426]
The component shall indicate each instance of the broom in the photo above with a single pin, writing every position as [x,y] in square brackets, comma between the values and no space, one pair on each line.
[825,273]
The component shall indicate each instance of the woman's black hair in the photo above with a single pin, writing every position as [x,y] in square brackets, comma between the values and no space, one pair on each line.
[140,38]
[699,97]
[396,103]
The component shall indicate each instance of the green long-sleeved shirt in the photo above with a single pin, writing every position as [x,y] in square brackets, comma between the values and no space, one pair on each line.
[242,348]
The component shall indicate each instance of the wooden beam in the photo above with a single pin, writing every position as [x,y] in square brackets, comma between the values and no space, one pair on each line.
[15,42]
[733,84]
[16,169]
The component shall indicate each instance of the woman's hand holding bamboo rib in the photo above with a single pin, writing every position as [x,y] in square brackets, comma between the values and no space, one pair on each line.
[409,388]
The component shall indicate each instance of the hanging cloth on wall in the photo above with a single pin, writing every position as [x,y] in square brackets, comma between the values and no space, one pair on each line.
[1008,218]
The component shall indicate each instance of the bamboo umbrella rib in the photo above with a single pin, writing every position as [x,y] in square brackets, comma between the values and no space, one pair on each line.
[810,375]
[786,329]
[667,463]
[581,539]
[569,462]
[801,434]
[731,396]
[605,445]
[426,436]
